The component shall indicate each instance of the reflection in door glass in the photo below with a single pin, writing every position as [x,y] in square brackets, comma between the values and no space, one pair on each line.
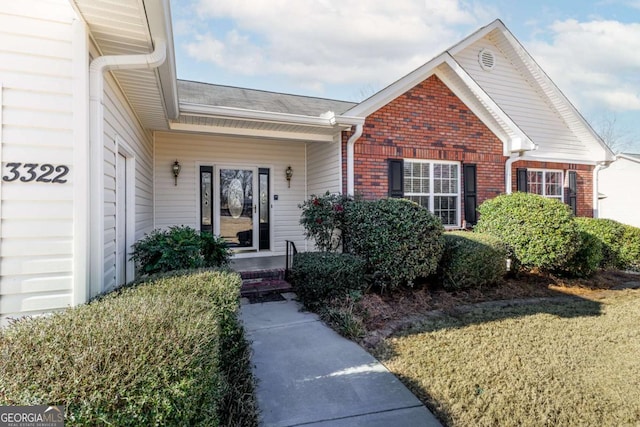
[205,194]
[236,207]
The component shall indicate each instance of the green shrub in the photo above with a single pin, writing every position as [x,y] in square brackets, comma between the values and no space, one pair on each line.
[320,276]
[611,234]
[322,218]
[472,260]
[540,231]
[586,261]
[178,248]
[153,354]
[630,251]
[400,240]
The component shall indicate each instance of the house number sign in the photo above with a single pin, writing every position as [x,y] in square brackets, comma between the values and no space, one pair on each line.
[27,172]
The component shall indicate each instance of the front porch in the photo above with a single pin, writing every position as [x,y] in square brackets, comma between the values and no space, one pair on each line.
[262,276]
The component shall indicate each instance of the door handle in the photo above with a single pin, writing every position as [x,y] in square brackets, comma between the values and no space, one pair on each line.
[255,208]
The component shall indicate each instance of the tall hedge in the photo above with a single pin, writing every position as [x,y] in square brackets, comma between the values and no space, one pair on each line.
[400,240]
[540,231]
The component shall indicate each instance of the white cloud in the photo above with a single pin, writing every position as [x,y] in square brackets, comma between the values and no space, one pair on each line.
[331,41]
[596,63]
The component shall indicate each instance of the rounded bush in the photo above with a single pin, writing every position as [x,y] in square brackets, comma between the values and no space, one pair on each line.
[630,251]
[320,276]
[586,261]
[400,240]
[178,248]
[610,233]
[540,231]
[472,260]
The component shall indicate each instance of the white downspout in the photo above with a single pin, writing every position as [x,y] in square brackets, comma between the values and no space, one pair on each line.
[507,171]
[596,200]
[96,146]
[350,155]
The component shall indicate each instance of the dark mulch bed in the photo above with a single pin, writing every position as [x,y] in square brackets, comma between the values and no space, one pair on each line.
[380,310]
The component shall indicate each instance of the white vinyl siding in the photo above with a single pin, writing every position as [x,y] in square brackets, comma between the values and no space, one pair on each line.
[38,125]
[120,123]
[179,205]
[323,163]
[42,121]
[520,99]
[619,201]
[435,186]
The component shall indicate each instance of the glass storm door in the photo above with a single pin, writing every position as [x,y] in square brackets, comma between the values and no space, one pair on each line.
[236,210]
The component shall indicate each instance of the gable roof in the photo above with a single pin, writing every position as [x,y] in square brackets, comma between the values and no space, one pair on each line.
[506,119]
[629,156]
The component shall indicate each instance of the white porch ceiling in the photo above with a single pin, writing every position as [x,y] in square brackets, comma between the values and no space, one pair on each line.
[120,27]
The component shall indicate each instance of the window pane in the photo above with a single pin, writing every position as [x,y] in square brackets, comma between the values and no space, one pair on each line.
[421,200]
[553,185]
[445,208]
[535,182]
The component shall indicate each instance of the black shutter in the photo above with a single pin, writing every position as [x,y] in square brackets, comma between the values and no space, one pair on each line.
[396,178]
[522,181]
[470,194]
[572,192]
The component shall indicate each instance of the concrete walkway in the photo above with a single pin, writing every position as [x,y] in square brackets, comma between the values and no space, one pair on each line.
[309,375]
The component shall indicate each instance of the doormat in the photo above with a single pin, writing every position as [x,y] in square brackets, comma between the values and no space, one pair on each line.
[270,297]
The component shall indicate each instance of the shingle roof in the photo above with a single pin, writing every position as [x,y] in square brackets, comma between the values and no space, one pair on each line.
[251,99]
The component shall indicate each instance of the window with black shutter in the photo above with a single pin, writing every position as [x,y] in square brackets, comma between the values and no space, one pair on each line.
[522,182]
[469,172]
[396,178]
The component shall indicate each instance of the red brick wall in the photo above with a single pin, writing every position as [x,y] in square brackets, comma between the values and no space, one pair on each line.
[429,122]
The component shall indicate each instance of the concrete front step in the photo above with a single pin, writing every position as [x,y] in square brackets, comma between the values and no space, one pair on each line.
[264,287]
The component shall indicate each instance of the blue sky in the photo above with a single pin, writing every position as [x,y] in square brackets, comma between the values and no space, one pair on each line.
[349,49]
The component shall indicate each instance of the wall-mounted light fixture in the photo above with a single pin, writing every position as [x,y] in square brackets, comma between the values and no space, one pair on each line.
[288,173]
[176,171]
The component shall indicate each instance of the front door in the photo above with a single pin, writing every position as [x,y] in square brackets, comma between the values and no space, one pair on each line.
[236,210]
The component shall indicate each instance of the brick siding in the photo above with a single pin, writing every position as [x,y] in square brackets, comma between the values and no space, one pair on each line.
[430,122]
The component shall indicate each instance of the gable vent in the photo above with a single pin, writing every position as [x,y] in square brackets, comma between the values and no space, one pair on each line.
[487,59]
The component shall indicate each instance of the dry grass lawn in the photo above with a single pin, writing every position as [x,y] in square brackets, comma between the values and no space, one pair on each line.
[546,364]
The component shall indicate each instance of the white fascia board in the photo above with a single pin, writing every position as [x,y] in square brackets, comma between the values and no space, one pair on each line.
[159,20]
[479,34]
[627,157]
[190,109]
[394,90]
[533,158]
[259,133]
[526,142]
[350,120]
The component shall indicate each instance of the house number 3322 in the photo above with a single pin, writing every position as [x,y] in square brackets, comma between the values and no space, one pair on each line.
[27,172]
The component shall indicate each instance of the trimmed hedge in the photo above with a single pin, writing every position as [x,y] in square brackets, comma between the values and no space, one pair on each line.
[630,251]
[158,353]
[472,260]
[400,240]
[179,248]
[586,261]
[320,276]
[610,233]
[540,231]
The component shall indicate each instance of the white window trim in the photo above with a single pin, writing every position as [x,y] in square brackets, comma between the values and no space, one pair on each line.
[544,182]
[432,195]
